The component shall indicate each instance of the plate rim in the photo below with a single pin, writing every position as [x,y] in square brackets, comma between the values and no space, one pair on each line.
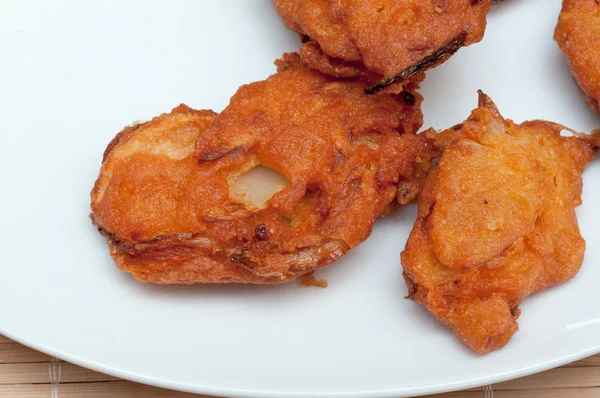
[251,393]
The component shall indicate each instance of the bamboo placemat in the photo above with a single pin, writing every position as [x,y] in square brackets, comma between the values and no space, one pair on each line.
[27,373]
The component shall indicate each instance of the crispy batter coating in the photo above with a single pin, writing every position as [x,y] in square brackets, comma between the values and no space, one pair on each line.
[496,223]
[578,35]
[382,41]
[287,179]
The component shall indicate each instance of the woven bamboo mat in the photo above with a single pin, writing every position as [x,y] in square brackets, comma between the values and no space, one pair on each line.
[27,373]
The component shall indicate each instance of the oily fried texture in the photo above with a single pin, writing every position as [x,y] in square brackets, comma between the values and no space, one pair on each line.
[382,41]
[288,178]
[578,35]
[496,223]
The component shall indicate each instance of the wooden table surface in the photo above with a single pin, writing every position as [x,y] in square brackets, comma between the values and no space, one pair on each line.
[27,373]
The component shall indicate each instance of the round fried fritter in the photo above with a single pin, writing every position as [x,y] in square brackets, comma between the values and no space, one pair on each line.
[287,179]
[382,41]
[496,223]
[578,35]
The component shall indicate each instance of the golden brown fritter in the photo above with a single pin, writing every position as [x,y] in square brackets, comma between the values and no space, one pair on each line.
[496,223]
[287,179]
[382,41]
[578,35]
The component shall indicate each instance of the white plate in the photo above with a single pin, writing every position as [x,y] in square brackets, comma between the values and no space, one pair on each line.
[72,73]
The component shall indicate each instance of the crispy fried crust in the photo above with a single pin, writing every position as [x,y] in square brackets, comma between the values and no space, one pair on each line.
[578,35]
[166,200]
[496,222]
[382,41]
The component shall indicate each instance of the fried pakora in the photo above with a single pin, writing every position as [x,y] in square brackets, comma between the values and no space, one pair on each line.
[382,41]
[287,179]
[496,223]
[578,35]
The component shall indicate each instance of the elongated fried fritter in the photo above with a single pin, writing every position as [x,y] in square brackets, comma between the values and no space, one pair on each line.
[578,35]
[287,179]
[496,222]
[382,41]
